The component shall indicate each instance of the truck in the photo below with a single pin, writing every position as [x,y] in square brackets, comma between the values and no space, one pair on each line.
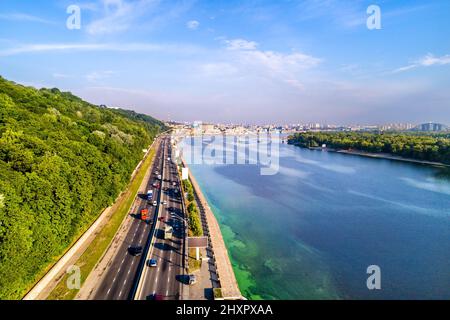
[144,214]
[149,194]
[168,232]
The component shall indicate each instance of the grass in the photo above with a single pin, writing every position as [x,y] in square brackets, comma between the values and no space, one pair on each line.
[193,264]
[218,293]
[194,221]
[96,249]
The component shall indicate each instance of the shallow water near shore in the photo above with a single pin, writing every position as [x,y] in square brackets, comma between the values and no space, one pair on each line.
[311,231]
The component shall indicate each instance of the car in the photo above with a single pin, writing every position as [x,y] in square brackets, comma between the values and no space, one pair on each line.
[155,203]
[192,279]
[135,251]
[162,219]
[152,263]
[164,202]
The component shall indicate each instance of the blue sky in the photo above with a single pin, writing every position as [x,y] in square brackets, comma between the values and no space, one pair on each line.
[238,61]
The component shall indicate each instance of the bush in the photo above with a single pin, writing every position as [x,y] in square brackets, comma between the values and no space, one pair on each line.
[61,164]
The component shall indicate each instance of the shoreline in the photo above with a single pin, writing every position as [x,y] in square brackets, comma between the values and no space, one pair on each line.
[389,157]
[225,272]
[385,156]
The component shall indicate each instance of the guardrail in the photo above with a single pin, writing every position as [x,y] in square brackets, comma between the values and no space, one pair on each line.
[185,230]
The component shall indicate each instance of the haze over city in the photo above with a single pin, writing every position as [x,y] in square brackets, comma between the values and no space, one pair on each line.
[232,61]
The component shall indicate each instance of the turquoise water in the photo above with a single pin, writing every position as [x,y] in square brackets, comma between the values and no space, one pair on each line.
[311,231]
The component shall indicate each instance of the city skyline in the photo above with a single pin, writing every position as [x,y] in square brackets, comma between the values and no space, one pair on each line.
[254,61]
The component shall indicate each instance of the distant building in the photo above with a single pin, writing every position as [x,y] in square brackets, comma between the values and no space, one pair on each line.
[431,127]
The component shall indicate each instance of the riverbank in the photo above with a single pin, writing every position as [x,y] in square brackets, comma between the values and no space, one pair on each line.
[388,157]
[226,276]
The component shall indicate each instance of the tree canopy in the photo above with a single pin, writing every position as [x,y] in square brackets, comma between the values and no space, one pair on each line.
[420,146]
[62,161]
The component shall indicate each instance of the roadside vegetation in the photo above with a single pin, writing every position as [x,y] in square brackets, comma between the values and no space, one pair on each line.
[426,147]
[193,263]
[100,244]
[62,162]
[195,225]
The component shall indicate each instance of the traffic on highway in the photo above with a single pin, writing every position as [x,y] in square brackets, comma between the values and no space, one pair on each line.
[149,262]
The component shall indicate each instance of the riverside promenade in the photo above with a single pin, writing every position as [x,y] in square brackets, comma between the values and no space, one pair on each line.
[224,270]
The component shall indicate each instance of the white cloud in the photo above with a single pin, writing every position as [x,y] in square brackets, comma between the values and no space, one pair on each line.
[219,69]
[241,44]
[426,61]
[99,75]
[193,24]
[22,17]
[60,76]
[118,15]
[431,60]
[244,56]
[125,47]
[281,62]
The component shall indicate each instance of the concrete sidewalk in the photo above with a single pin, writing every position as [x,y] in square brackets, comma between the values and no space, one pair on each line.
[224,270]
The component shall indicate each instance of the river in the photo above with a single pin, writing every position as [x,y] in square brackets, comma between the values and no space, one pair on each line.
[312,230]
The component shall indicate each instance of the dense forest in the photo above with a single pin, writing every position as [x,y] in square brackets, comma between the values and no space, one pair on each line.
[62,161]
[429,147]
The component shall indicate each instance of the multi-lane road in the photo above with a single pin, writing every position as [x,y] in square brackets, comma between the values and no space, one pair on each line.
[129,276]
[164,280]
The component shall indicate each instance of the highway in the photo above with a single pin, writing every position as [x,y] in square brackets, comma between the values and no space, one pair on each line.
[164,281]
[119,279]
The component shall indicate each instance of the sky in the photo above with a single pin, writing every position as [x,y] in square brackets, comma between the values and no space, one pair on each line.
[254,61]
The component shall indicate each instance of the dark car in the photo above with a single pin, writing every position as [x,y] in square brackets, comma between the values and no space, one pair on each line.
[155,297]
[135,251]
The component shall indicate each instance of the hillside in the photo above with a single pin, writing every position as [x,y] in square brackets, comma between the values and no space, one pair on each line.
[62,161]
